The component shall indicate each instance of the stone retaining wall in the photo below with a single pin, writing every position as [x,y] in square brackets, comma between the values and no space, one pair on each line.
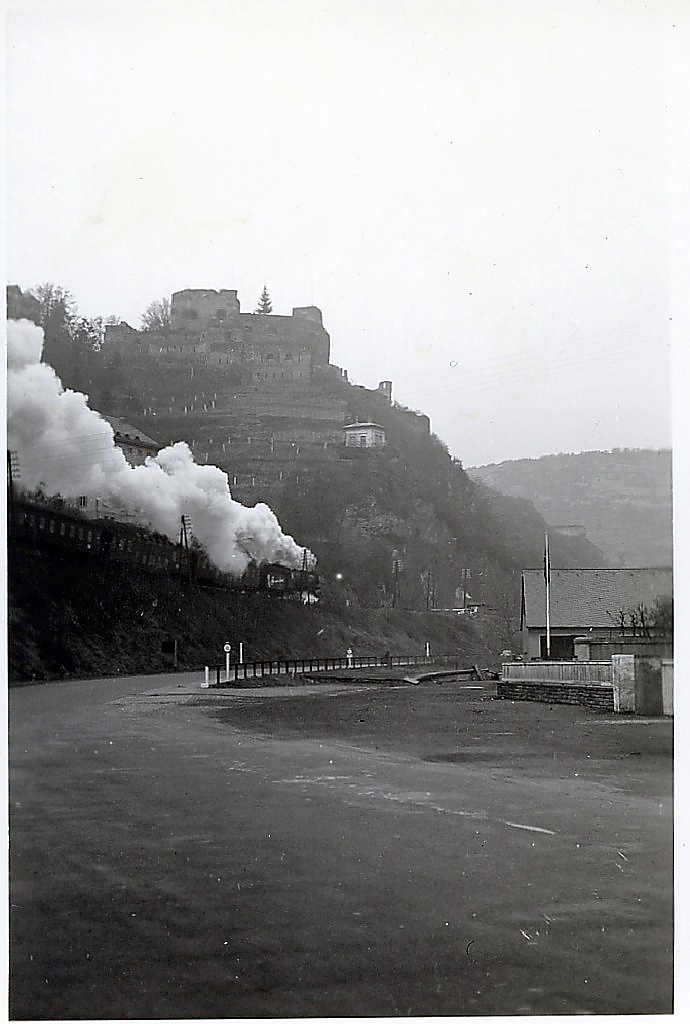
[598,697]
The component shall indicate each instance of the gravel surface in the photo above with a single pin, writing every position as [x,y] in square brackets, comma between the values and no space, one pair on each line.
[345,850]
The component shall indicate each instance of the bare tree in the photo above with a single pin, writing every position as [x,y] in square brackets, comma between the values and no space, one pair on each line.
[58,306]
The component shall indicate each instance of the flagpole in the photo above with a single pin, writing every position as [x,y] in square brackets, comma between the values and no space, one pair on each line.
[547,584]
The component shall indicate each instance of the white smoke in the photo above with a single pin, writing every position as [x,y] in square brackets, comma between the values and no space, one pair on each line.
[67,448]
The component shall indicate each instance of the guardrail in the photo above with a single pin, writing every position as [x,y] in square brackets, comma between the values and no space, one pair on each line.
[301,666]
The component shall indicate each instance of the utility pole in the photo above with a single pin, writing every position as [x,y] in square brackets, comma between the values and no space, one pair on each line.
[185,533]
[430,590]
[12,474]
[466,573]
[547,595]
[396,579]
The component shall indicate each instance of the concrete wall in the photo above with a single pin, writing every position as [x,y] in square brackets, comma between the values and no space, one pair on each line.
[642,685]
[667,685]
[628,684]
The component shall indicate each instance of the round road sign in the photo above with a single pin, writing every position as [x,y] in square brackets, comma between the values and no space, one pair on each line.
[227,648]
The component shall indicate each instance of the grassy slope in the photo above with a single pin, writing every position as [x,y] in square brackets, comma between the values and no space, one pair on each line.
[73,618]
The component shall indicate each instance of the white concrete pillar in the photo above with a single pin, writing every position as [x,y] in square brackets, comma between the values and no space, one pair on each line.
[623,683]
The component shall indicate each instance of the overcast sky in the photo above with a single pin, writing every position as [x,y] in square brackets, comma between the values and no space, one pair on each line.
[478,194]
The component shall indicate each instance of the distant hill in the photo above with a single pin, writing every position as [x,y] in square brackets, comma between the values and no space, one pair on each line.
[622,498]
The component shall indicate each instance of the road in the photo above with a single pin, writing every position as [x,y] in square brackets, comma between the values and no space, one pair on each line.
[334,851]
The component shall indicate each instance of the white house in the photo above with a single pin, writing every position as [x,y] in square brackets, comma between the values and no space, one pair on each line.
[364,435]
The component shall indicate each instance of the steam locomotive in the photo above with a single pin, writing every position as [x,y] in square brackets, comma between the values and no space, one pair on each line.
[52,524]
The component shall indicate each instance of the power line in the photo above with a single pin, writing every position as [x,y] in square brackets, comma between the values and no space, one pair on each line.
[512,369]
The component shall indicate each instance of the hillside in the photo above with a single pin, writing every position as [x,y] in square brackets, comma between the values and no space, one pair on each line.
[402,526]
[622,498]
[397,528]
[72,616]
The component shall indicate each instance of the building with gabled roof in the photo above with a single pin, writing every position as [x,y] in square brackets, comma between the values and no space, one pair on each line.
[136,445]
[584,603]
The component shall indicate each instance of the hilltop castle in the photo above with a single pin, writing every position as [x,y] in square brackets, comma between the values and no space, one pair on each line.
[253,393]
[207,328]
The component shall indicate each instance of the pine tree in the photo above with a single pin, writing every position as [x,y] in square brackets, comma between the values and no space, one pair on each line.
[265,305]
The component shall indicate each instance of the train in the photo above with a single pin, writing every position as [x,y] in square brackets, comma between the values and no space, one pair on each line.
[43,523]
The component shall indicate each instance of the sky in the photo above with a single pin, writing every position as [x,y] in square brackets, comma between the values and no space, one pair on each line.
[480,195]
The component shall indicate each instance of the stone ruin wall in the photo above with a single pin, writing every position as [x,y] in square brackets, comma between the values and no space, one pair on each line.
[208,329]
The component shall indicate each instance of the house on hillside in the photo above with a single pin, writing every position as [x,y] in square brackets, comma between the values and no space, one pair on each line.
[592,603]
[136,445]
[364,435]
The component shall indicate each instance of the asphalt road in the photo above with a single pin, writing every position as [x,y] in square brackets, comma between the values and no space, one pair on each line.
[334,851]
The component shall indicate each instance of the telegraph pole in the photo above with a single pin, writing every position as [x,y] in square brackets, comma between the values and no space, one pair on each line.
[185,531]
[12,472]
[396,579]
[547,595]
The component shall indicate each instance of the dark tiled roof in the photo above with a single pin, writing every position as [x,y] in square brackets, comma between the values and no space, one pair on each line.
[591,597]
[129,434]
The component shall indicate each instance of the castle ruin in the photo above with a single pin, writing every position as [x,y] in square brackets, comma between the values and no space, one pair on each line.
[207,328]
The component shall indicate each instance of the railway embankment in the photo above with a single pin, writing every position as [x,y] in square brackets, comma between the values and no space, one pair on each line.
[76,617]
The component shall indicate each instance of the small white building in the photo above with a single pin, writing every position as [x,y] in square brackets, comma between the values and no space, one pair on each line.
[364,435]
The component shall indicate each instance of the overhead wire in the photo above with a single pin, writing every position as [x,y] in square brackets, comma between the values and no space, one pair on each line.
[516,367]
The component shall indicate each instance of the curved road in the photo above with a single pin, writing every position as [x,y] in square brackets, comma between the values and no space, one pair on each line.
[334,851]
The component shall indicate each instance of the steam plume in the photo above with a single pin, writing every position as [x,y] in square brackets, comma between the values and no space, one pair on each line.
[69,449]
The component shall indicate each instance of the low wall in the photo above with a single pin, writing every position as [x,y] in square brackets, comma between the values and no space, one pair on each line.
[628,684]
[667,685]
[597,696]
[582,673]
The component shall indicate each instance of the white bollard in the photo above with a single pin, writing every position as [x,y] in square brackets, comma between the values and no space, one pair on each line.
[205,683]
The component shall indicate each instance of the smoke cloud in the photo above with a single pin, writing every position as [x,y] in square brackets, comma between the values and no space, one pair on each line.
[67,448]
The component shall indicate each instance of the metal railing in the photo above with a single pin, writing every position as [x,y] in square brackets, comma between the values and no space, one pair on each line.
[217,675]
